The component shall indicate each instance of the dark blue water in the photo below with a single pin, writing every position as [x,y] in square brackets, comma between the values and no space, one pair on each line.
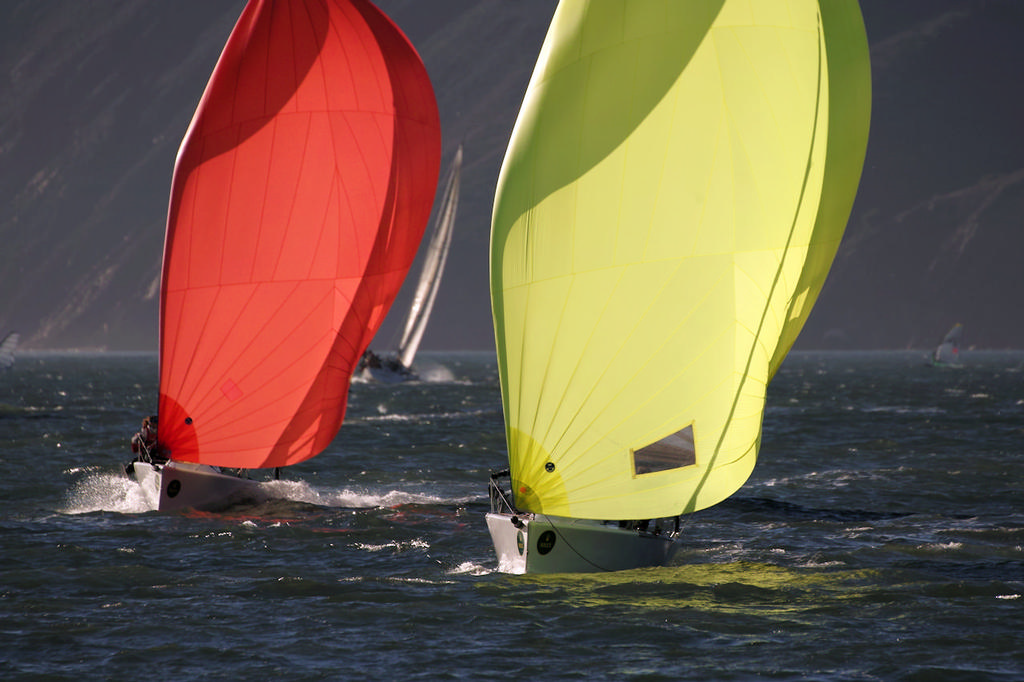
[881,537]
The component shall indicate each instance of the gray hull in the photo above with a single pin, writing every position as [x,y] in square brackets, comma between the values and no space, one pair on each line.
[535,543]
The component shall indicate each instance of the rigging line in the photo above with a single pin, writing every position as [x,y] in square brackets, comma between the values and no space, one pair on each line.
[557,530]
[577,552]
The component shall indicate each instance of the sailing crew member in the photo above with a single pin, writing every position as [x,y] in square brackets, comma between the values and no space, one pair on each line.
[369,360]
[145,440]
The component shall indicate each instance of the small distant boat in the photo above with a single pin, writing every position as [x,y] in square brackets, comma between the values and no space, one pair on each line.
[673,195]
[7,348]
[300,196]
[948,350]
[397,367]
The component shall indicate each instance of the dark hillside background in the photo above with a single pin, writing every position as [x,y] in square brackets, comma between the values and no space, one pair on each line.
[95,97]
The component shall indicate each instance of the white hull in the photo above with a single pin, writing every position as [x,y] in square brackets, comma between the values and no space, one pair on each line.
[535,543]
[182,485]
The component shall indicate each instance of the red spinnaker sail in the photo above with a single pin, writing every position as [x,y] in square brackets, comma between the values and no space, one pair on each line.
[300,195]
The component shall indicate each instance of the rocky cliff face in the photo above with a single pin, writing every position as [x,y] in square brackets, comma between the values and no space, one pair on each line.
[936,228]
[96,98]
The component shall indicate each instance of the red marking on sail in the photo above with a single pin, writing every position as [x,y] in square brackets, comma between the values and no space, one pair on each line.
[231,390]
[300,195]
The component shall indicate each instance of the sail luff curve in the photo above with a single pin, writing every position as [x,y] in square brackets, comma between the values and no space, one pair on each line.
[7,348]
[676,184]
[300,195]
[433,266]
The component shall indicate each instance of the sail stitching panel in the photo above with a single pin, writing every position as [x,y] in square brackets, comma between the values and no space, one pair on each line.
[259,236]
[626,416]
[379,266]
[684,56]
[189,383]
[214,415]
[557,445]
[583,432]
[622,269]
[691,505]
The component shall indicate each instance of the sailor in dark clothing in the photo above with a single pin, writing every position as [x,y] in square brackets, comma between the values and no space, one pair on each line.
[144,441]
[370,360]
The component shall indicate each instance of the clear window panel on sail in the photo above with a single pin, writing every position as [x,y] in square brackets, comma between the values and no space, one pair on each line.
[671,452]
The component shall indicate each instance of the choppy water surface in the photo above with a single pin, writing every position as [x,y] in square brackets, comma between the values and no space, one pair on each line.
[881,537]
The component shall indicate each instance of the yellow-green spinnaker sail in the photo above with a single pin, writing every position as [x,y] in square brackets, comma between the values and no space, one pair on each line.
[674,192]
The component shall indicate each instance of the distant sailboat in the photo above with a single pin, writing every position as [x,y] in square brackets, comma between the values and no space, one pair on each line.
[299,199]
[948,351]
[7,348]
[673,194]
[398,367]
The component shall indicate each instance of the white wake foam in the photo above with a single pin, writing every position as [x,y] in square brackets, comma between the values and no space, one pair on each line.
[98,490]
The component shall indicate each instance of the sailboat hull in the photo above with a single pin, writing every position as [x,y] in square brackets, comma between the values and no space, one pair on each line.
[388,375]
[182,485]
[535,543]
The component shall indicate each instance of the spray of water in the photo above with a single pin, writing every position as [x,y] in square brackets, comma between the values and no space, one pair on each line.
[105,491]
